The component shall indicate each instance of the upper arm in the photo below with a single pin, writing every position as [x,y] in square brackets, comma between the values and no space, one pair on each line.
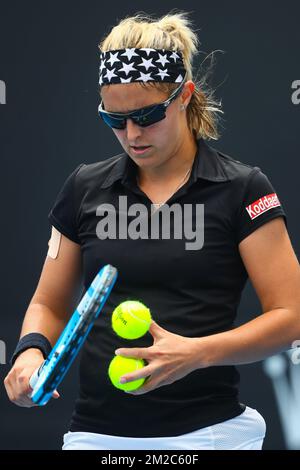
[60,278]
[272,265]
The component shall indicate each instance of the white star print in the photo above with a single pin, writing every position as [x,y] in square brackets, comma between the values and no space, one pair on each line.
[179,79]
[129,53]
[110,74]
[127,68]
[113,58]
[162,59]
[126,80]
[148,50]
[174,56]
[102,66]
[163,73]
[145,77]
[147,64]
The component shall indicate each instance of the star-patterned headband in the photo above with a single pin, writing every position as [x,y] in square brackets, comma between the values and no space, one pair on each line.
[141,65]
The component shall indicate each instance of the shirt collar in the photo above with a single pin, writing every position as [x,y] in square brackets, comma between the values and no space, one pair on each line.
[207,165]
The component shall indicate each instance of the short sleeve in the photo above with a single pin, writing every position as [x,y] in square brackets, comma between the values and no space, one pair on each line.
[260,203]
[63,213]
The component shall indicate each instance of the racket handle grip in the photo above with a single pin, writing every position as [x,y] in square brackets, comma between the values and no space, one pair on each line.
[34,378]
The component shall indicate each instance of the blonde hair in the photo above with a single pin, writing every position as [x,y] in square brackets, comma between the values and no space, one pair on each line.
[172,32]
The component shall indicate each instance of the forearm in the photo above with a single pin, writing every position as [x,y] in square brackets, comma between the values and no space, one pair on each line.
[40,318]
[268,334]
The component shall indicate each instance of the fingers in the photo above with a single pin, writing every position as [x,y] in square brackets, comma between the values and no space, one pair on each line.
[137,353]
[156,330]
[149,385]
[55,394]
[142,373]
[18,389]
[24,402]
[17,381]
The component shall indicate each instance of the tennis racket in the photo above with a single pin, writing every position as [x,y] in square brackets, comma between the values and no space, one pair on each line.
[52,371]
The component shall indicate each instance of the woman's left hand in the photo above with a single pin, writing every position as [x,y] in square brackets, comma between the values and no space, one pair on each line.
[170,358]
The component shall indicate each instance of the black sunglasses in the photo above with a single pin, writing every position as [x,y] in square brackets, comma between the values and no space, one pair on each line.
[143,117]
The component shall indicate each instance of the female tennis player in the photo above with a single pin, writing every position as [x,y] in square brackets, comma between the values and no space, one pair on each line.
[186,226]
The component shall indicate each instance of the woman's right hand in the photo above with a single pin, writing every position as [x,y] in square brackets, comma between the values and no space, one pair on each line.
[17,380]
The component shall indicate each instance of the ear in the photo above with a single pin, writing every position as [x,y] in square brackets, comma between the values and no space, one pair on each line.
[188,90]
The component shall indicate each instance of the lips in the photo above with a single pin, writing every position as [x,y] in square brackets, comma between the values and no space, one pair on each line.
[140,149]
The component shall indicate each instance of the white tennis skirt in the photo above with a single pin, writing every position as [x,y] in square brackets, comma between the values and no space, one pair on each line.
[244,432]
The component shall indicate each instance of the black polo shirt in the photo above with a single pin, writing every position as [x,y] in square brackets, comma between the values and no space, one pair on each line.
[191,293]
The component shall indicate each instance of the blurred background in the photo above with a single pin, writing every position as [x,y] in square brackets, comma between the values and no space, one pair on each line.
[49,64]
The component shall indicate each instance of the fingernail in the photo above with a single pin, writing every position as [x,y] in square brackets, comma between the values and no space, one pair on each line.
[122,381]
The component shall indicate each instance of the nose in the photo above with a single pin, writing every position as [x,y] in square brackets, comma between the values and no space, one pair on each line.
[133,130]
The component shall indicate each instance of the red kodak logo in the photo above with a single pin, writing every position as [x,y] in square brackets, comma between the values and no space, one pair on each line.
[262,205]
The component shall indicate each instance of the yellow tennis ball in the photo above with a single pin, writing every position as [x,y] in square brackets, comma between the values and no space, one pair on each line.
[131,319]
[120,366]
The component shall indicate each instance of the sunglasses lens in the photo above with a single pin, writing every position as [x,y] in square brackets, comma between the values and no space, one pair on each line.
[112,121]
[144,117]
[147,116]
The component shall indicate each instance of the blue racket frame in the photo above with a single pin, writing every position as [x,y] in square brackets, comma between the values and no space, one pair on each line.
[57,364]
